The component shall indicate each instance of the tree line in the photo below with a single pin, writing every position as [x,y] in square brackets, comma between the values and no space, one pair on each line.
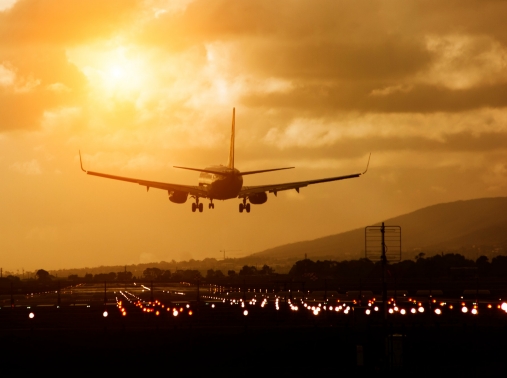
[449,265]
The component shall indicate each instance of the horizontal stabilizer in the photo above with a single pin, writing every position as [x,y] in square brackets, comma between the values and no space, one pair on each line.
[263,170]
[204,170]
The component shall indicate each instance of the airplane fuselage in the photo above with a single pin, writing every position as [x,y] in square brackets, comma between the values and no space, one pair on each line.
[221,187]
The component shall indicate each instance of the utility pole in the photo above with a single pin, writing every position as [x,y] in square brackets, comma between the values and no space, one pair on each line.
[384,264]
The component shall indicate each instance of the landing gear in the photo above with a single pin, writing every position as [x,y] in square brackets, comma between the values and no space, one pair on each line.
[244,206]
[196,205]
[211,205]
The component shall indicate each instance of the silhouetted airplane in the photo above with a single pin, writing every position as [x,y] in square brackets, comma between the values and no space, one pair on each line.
[220,182]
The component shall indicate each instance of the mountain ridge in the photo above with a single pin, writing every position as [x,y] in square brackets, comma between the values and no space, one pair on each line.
[450,226]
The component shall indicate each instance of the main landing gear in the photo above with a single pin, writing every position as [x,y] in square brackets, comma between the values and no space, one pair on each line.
[196,205]
[244,206]
[211,204]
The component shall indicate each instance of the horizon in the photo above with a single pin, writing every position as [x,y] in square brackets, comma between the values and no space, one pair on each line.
[140,86]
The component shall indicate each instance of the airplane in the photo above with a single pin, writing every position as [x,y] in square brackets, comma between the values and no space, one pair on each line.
[219,182]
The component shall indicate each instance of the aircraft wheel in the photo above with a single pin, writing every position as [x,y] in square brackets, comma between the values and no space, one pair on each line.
[201,207]
[194,207]
[240,207]
[247,207]
[209,206]
[212,205]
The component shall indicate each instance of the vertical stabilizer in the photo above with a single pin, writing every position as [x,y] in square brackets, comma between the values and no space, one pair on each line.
[230,163]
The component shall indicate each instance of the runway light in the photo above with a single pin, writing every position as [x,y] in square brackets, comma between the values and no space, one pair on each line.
[190,312]
[104,314]
[438,311]
[175,313]
[474,311]
[391,311]
[368,312]
[504,306]
[245,312]
[31,315]
[464,310]
[421,309]
[403,311]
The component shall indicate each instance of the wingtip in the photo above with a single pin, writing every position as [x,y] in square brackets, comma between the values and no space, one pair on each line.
[81,162]
[367,165]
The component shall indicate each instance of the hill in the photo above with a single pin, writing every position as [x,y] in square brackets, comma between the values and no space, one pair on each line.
[474,227]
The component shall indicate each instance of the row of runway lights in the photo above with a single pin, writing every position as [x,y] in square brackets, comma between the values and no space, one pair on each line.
[151,307]
[419,308]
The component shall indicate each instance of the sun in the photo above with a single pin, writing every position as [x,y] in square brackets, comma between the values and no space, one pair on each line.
[117,72]
[111,71]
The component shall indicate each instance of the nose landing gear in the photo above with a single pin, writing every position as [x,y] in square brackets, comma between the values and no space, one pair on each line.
[211,204]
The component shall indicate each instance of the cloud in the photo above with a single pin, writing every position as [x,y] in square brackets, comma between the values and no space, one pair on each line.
[31,167]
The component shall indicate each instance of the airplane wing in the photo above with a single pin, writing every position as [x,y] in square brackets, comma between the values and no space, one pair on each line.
[190,189]
[274,188]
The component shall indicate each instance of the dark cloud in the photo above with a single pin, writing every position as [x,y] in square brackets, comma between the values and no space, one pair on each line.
[325,99]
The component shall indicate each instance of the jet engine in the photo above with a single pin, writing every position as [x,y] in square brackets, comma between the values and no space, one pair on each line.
[258,198]
[178,197]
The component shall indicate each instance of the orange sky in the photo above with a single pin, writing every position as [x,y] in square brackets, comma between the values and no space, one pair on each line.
[140,86]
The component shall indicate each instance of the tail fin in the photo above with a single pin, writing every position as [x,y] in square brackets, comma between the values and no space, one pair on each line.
[230,163]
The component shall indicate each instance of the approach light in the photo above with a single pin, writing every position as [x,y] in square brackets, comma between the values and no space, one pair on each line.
[31,315]
[367,312]
[421,309]
[504,306]
[175,313]
[438,311]
[474,311]
[105,314]
[245,312]
[464,309]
